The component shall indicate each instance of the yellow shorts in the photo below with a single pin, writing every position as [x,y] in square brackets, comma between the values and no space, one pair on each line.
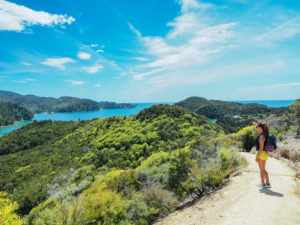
[264,155]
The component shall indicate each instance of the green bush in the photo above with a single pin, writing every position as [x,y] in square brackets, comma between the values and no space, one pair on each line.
[179,169]
[7,211]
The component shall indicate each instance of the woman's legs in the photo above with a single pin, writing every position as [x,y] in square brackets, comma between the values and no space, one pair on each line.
[262,174]
[265,173]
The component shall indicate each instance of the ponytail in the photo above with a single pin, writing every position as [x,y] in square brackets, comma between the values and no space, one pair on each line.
[265,128]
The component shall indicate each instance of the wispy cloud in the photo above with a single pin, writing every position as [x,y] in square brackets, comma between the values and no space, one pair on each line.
[19,81]
[273,86]
[189,43]
[97,85]
[141,58]
[75,82]
[15,17]
[57,62]
[83,55]
[30,79]
[142,76]
[26,63]
[24,80]
[93,69]
[187,5]
[283,31]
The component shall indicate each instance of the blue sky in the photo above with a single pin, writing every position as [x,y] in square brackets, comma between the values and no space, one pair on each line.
[151,50]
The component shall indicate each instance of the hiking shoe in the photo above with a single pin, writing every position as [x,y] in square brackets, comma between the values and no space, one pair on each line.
[268,185]
[261,185]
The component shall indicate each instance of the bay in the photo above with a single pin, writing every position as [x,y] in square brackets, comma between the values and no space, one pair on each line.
[103,113]
[5,130]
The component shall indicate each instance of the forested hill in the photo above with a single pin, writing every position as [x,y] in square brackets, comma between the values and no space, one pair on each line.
[49,104]
[231,115]
[11,112]
[116,170]
[114,105]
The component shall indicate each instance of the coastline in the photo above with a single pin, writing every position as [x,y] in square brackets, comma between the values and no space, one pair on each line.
[16,123]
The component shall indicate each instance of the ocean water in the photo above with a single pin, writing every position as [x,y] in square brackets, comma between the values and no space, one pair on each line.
[270,103]
[6,130]
[103,113]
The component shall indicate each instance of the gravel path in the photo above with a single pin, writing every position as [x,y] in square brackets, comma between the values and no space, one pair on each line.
[241,202]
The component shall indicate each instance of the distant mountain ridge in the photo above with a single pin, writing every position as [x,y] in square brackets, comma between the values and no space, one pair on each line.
[62,104]
[232,116]
[214,109]
[113,105]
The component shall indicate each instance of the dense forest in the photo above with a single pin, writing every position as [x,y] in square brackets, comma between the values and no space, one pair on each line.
[117,170]
[11,112]
[48,104]
[231,116]
[113,105]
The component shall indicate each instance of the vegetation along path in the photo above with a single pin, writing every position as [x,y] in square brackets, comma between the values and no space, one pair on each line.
[242,202]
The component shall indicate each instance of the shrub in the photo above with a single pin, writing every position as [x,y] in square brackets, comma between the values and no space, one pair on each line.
[179,169]
[102,206]
[159,201]
[7,208]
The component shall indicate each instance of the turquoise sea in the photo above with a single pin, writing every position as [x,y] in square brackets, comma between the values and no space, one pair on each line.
[82,115]
[270,103]
[123,112]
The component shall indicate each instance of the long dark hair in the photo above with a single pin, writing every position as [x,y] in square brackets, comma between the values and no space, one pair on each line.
[265,128]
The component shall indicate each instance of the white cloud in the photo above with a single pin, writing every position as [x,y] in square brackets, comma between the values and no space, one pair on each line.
[142,58]
[187,5]
[93,69]
[94,45]
[186,23]
[15,17]
[97,85]
[83,55]
[57,62]
[26,63]
[75,82]
[190,43]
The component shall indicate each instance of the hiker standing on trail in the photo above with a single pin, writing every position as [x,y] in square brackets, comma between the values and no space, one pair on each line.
[262,155]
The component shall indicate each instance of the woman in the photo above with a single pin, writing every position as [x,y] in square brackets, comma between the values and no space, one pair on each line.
[261,155]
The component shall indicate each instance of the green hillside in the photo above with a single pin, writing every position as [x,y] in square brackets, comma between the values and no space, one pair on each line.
[117,170]
[11,112]
[231,116]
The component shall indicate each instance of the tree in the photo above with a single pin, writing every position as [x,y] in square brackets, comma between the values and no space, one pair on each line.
[180,165]
[295,112]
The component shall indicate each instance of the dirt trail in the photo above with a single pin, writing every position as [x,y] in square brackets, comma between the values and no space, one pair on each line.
[241,202]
